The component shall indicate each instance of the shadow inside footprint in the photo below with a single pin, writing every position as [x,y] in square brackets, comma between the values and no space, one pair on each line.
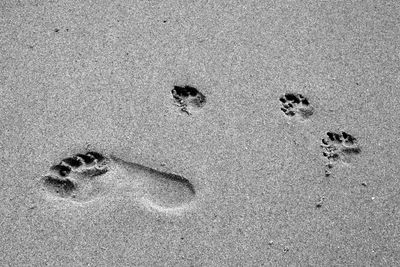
[170,190]
[92,177]
[296,105]
[73,162]
[184,91]
[61,170]
[351,150]
[306,113]
[340,147]
[59,187]
[79,178]
[165,190]
[188,98]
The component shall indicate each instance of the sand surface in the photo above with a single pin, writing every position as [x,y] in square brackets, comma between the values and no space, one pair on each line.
[80,76]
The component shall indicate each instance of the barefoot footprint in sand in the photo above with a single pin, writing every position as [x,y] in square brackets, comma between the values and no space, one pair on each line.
[93,177]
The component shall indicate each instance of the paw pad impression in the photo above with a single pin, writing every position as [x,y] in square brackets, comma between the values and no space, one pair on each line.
[339,146]
[188,98]
[294,104]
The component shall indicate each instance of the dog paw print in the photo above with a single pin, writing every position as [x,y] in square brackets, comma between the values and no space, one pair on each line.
[296,105]
[339,147]
[188,98]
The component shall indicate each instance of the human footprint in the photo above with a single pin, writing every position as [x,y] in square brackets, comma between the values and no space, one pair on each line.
[93,178]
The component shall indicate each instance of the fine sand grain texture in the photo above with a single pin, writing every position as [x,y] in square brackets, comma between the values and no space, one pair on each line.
[202,133]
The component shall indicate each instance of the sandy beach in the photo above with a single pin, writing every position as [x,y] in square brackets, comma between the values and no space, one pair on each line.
[199,133]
